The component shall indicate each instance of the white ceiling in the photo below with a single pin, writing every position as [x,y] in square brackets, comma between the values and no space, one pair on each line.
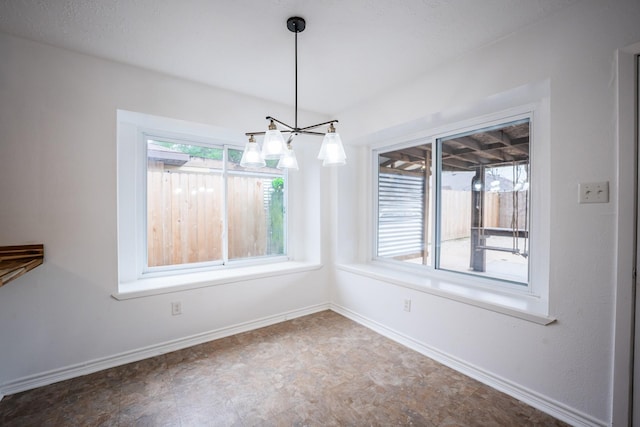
[351,49]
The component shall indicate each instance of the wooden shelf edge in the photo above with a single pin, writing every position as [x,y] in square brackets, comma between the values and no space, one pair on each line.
[17,260]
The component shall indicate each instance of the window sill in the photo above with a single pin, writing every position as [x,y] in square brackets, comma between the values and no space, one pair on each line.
[526,307]
[183,282]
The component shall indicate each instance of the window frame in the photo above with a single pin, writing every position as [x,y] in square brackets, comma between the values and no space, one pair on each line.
[146,271]
[537,284]
[437,220]
[224,261]
[133,131]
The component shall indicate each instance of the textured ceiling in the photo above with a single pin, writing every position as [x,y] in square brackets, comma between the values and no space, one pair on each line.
[351,50]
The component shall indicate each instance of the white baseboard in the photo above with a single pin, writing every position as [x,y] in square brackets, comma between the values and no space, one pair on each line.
[530,397]
[89,367]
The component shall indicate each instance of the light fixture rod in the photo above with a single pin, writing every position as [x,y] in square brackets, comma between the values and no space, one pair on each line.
[315,126]
[294,131]
[296,71]
[281,122]
[290,128]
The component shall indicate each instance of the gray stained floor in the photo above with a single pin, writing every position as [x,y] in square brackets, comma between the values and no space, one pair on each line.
[317,370]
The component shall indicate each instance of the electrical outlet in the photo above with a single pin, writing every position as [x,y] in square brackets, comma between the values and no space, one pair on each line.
[593,192]
[176,308]
[407,305]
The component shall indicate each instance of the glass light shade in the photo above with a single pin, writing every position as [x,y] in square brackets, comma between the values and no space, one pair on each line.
[251,157]
[288,160]
[273,145]
[336,162]
[331,150]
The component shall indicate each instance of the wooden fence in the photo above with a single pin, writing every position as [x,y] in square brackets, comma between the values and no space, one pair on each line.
[185,217]
[498,208]
[456,213]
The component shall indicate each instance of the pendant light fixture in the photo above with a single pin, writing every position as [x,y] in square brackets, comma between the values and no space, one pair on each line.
[274,146]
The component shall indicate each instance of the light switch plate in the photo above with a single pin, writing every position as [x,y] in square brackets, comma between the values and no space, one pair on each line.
[593,192]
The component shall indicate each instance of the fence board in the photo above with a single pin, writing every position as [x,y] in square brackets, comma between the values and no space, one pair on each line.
[167,224]
[185,217]
[456,214]
[200,248]
[213,224]
[154,213]
[492,209]
[248,221]
[506,201]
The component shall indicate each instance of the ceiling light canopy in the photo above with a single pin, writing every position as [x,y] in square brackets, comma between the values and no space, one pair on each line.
[274,146]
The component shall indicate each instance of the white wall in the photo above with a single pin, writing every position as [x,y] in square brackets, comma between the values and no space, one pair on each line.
[570,362]
[58,187]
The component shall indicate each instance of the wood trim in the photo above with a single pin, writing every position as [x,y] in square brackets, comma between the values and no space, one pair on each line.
[17,260]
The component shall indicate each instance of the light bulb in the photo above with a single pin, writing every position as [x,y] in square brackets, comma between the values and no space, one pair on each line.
[273,145]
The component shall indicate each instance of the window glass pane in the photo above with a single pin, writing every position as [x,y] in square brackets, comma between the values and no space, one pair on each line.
[256,206]
[184,203]
[405,205]
[235,156]
[484,202]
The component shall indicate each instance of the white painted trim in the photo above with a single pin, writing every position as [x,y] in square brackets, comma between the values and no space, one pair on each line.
[89,367]
[621,402]
[528,101]
[521,306]
[135,278]
[530,397]
[188,281]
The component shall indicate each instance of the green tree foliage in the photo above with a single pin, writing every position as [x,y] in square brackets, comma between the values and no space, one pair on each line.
[276,217]
[278,184]
[202,152]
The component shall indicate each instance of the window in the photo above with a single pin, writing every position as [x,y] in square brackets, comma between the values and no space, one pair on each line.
[185,205]
[459,201]
[203,208]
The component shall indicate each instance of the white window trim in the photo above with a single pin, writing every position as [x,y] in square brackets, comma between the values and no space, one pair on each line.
[183,282]
[530,302]
[525,307]
[134,279]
